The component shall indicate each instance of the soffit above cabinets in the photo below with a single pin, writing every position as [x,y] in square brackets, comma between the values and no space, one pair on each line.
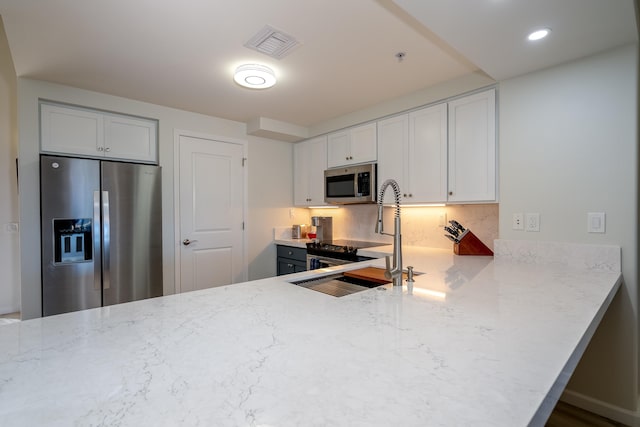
[183,54]
[492,34]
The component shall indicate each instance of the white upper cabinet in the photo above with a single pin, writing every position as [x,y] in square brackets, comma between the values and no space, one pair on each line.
[71,131]
[351,146]
[130,138]
[309,164]
[393,153]
[427,156]
[84,132]
[472,148]
[413,150]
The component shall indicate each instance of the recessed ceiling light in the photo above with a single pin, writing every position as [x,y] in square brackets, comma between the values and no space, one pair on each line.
[254,76]
[539,34]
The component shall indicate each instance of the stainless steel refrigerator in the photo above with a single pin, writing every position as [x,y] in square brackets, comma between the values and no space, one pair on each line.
[101,233]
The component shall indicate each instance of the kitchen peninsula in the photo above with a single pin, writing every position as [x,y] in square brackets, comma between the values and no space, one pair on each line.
[475,341]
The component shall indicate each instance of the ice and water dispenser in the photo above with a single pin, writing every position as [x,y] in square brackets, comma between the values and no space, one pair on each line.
[72,240]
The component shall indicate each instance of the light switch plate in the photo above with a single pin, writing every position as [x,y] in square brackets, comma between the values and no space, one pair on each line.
[595,222]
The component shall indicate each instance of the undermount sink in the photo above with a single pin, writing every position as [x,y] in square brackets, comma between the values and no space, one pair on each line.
[338,284]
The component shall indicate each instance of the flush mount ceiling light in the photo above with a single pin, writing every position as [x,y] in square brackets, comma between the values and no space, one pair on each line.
[254,76]
[539,34]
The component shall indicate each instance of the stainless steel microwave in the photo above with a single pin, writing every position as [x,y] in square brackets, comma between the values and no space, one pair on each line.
[351,184]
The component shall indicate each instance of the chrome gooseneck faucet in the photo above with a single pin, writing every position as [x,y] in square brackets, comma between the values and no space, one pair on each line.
[394,273]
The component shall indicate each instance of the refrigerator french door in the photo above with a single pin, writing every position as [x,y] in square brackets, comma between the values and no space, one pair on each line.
[101,233]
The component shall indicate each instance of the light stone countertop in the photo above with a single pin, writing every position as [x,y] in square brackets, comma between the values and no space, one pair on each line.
[476,341]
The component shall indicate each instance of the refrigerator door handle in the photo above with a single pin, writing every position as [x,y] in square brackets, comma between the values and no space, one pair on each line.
[97,279]
[106,240]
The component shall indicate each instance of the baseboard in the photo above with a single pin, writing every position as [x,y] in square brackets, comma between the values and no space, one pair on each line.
[615,413]
[7,309]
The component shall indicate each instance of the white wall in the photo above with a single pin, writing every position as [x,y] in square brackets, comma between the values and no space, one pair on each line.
[270,196]
[29,91]
[466,83]
[9,241]
[568,146]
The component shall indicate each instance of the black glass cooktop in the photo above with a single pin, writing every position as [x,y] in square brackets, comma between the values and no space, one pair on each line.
[357,243]
[340,248]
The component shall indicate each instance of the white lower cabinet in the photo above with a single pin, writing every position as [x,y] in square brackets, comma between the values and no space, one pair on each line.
[472,148]
[309,164]
[84,132]
[413,151]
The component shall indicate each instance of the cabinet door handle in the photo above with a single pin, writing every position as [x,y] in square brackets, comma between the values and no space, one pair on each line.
[290,253]
[451,193]
[107,149]
[100,148]
[290,265]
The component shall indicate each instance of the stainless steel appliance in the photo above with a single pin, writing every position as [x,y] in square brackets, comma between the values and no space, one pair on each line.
[351,185]
[101,233]
[324,228]
[338,252]
[298,231]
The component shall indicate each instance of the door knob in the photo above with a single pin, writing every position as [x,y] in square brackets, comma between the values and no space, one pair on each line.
[187,242]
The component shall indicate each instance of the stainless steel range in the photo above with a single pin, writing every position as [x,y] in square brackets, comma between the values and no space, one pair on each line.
[338,252]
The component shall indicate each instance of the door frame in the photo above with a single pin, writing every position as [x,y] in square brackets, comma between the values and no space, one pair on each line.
[177,242]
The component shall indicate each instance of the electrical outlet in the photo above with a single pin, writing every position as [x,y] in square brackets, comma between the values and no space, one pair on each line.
[442,219]
[518,221]
[532,222]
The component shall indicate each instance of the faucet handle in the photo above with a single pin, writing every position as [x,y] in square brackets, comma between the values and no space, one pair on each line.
[387,271]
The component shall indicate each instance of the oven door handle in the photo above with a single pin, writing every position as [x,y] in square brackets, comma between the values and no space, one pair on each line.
[330,262]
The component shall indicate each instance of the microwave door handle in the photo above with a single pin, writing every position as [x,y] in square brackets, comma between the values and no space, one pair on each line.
[356,185]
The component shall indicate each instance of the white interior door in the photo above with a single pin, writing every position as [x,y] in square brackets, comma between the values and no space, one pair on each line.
[211,204]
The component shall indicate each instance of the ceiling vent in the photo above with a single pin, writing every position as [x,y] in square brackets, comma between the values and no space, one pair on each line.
[272,42]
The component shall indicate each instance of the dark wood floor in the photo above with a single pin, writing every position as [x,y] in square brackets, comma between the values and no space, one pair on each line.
[565,415]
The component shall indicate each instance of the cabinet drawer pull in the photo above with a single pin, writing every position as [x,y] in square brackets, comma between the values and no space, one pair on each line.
[451,193]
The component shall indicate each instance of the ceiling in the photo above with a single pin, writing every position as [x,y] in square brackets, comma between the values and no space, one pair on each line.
[182,54]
